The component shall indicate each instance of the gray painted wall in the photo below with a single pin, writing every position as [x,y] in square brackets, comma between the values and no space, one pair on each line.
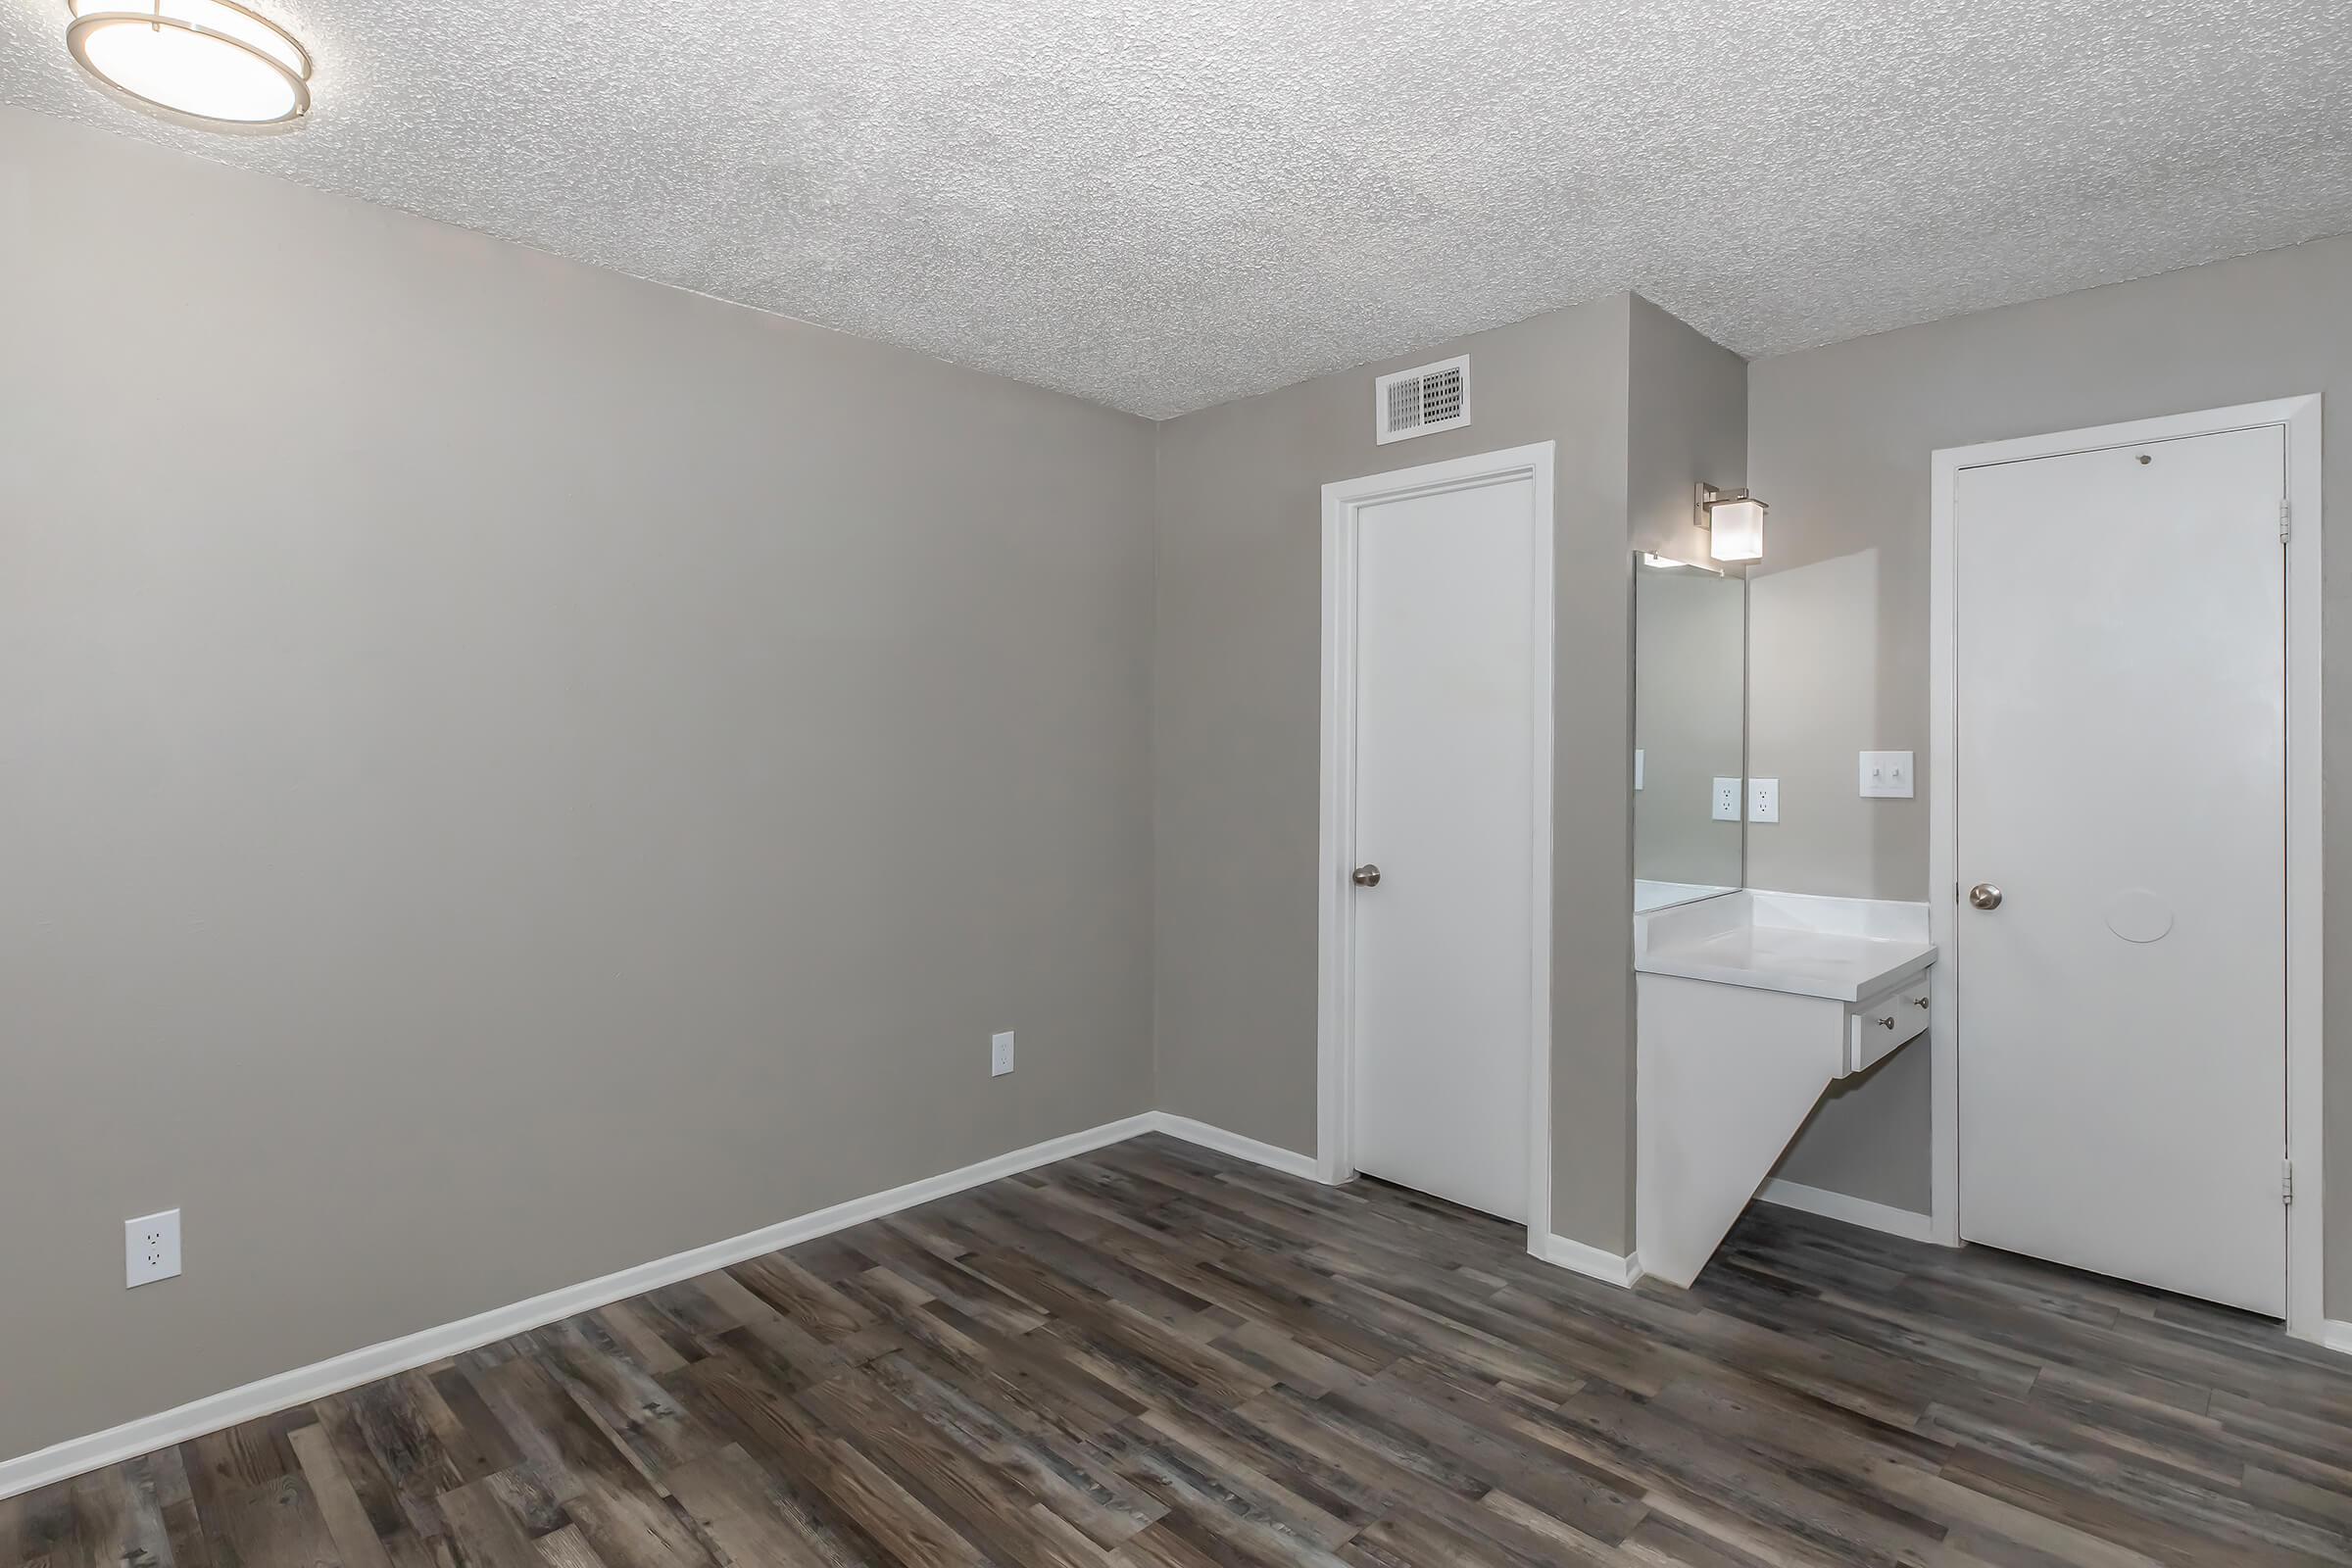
[1235,711]
[1687,421]
[507,771]
[1839,443]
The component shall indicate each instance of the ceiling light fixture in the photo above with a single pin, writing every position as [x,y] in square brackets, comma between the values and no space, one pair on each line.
[1736,520]
[208,61]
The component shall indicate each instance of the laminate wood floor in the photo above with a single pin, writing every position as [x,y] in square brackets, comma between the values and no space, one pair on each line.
[1157,1358]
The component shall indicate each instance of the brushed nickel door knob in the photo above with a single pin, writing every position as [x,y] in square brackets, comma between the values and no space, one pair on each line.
[1367,875]
[1985,896]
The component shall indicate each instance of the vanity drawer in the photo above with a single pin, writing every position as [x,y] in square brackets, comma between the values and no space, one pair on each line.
[1887,1020]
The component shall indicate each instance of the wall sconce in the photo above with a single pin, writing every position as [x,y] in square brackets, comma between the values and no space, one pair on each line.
[1736,520]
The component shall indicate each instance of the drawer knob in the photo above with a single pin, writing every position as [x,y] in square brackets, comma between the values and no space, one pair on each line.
[1918,1002]
[1886,1022]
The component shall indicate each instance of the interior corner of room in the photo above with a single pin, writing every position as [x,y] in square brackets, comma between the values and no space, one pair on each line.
[754,856]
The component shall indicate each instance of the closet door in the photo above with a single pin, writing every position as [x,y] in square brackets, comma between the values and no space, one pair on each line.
[2120,667]
[1443,804]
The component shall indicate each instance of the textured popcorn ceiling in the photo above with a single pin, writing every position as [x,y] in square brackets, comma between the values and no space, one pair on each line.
[1160,203]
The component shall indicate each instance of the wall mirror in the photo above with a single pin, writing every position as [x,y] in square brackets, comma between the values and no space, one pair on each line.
[1689,731]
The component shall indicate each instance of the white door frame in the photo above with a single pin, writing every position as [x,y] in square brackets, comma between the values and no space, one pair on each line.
[1344,503]
[2300,419]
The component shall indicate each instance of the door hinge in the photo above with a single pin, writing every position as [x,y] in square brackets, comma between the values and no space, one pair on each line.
[2286,1181]
[2287,513]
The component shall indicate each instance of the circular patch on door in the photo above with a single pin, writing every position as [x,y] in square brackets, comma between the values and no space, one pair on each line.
[2137,916]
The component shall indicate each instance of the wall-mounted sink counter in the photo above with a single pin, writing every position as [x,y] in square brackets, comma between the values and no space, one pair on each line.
[1750,1006]
[1840,949]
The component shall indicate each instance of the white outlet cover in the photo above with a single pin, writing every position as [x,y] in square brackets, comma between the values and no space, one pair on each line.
[151,1249]
[1763,800]
[1000,1054]
[1726,799]
[1886,775]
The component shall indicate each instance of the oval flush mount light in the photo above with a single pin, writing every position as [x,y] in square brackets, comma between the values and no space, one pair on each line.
[207,61]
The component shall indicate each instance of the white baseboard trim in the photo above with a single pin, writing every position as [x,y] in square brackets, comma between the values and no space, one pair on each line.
[1286,1161]
[1903,1222]
[1592,1261]
[2336,1335]
[80,1455]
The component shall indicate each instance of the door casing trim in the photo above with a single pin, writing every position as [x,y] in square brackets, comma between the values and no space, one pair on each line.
[1344,502]
[2300,418]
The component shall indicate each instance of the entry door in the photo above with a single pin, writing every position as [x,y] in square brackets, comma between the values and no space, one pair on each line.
[2120,668]
[1444,808]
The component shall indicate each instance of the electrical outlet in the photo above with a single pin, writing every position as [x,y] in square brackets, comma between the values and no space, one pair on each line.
[151,1249]
[1000,1054]
[1763,800]
[1726,799]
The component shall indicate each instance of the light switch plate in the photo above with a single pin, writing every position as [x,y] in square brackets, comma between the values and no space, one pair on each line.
[1726,799]
[1886,775]
[151,1249]
[1763,800]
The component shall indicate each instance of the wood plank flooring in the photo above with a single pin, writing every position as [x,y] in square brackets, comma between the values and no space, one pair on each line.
[1156,1357]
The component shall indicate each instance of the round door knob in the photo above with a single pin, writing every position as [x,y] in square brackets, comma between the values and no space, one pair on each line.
[1367,875]
[1985,896]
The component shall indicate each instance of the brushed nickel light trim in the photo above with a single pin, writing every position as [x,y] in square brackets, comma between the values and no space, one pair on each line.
[292,66]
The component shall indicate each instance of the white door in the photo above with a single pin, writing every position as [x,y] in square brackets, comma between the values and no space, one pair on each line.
[2120,670]
[1445,808]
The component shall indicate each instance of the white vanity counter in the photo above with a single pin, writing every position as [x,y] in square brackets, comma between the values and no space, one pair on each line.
[1843,949]
[1750,1006]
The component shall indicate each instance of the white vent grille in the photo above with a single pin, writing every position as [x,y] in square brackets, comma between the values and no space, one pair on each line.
[1422,400]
